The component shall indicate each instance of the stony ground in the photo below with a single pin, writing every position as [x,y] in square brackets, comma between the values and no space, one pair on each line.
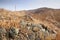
[38,24]
[27,31]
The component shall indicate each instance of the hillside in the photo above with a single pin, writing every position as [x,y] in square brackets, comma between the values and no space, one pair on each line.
[46,15]
[41,22]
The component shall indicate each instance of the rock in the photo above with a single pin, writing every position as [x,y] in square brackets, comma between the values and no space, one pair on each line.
[35,29]
[31,36]
[40,26]
[23,23]
[2,33]
[37,36]
[13,32]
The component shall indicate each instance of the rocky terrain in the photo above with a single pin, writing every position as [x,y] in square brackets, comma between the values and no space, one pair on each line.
[37,24]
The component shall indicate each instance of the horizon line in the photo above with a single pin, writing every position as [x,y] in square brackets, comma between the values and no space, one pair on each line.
[27,9]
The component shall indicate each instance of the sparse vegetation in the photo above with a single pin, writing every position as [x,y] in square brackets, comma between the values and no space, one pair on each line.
[14,26]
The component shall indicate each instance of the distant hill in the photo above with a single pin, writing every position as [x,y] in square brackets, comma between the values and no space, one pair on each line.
[46,14]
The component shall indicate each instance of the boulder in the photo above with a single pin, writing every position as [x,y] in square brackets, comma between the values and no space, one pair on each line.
[2,33]
[35,29]
[13,32]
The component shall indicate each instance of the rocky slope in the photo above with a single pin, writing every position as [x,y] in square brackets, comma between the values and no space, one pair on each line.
[37,24]
[47,14]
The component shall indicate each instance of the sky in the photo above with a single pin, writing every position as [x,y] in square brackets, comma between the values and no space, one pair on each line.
[28,4]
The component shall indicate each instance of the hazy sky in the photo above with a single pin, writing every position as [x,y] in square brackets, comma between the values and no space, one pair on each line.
[28,4]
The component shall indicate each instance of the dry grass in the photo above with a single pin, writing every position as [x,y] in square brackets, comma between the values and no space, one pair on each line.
[9,18]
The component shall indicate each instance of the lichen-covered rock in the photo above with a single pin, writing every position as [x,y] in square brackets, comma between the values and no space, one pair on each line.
[13,32]
[2,33]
